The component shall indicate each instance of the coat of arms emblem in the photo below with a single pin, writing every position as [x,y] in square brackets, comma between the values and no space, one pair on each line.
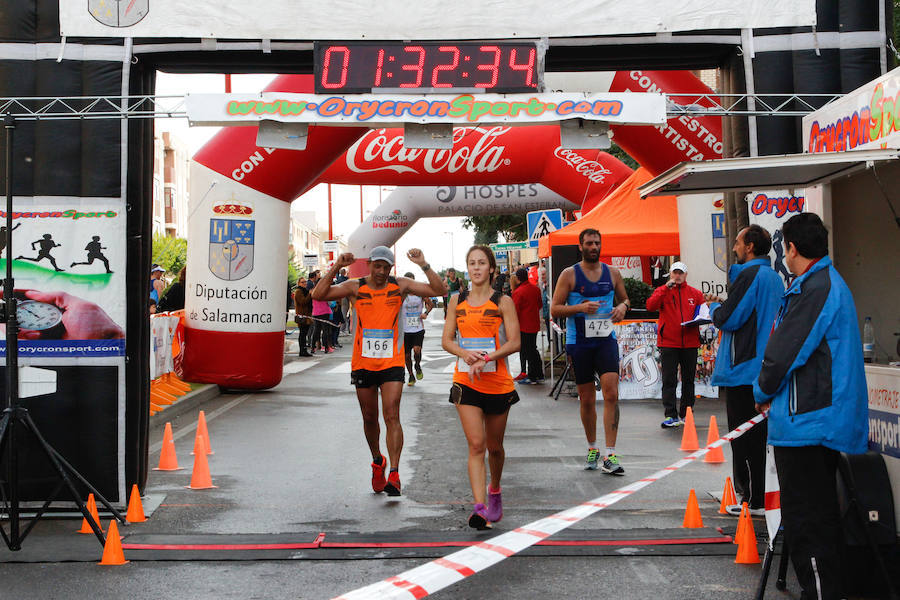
[231,248]
[119,13]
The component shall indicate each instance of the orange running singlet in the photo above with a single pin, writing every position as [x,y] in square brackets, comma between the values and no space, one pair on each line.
[481,328]
[378,343]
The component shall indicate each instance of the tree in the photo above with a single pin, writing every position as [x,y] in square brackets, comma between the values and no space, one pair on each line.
[169,252]
[487,227]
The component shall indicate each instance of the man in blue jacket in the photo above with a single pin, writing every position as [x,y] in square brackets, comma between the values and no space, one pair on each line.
[813,384]
[745,319]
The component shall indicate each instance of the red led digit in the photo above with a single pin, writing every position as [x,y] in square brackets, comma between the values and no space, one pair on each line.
[528,67]
[327,65]
[450,67]
[379,68]
[494,67]
[418,67]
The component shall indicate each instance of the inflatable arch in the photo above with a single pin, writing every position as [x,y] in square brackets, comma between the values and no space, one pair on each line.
[236,288]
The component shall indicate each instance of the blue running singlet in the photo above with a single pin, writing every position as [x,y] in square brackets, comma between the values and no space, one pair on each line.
[591,330]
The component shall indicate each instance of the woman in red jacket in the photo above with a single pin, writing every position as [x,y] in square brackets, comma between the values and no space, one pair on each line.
[677,303]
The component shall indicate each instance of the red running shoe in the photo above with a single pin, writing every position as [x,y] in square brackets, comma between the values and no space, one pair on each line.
[378,480]
[520,376]
[393,484]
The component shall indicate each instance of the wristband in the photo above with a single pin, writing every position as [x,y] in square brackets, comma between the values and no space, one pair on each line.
[426,267]
[486,358]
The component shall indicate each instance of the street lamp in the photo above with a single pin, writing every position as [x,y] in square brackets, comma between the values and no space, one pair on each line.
[452,253]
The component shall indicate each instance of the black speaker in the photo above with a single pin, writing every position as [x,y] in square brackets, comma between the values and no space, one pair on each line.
[867,517]
[562,258]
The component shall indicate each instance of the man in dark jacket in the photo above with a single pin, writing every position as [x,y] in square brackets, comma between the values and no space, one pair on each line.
[813,384]
[745,320]
[677,302]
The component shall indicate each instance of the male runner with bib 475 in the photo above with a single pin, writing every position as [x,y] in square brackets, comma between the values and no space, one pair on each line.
[378,361]
[591,295]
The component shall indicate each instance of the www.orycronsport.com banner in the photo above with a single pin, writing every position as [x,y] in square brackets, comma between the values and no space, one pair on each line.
[69,269]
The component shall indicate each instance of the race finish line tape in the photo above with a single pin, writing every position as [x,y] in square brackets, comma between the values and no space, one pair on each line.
[443,572]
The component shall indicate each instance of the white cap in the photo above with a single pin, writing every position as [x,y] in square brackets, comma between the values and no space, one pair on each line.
[382,253]
[157,268]
[679,266]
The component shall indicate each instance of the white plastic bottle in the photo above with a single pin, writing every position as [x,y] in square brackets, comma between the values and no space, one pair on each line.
[868,341]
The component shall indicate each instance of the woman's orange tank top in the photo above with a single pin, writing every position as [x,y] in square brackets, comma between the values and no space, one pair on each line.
[481,327]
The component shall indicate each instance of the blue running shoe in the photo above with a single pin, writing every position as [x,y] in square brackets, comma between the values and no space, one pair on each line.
[671,422]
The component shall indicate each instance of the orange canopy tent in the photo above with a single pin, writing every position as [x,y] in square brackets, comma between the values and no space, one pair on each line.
[628,225]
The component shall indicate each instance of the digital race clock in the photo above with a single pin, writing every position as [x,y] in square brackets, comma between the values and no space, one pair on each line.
[426,67]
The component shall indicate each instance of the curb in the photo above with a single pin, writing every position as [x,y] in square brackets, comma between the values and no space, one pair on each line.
[186,403]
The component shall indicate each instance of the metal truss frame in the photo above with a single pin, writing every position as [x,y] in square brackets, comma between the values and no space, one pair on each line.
[159,107]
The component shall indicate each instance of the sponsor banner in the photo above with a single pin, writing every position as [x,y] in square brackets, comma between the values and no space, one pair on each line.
[404,206]
[235,258]
[426,20]
[883,384]
[640,374]
[69,267]
[704,247]
[384,109]
[862,119]
[770,209]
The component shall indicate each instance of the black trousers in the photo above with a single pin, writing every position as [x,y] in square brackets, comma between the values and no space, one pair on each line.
[748,452]
[304,335]
[809,512]
[529,357]
[671,359]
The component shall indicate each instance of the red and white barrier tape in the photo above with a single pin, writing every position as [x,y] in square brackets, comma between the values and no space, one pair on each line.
[443,572]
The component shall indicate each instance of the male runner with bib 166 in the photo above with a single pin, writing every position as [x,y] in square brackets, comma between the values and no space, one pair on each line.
[378,361]
[591,295]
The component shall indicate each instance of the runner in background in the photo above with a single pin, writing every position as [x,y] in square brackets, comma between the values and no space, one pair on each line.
[591,295]
[415,311]
[454,284]
[377,363]
[481,329]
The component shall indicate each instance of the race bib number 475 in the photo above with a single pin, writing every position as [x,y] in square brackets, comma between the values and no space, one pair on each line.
[597,326]
[378,343]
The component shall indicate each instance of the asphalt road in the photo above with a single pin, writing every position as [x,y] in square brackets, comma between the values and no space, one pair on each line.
[293,461]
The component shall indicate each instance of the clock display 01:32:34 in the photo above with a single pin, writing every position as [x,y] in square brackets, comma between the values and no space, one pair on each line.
[502,67]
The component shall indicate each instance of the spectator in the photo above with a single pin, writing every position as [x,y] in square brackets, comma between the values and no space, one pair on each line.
[174,298]
[745,319]
[813,384]
[337,319]
[677,302]
[157,285]
[454,286]
[527,299]
[302,312]
[321,329]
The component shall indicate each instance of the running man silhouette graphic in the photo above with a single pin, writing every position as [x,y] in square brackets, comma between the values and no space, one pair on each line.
[778,246]
[94,253]
[4,238]
[47,244]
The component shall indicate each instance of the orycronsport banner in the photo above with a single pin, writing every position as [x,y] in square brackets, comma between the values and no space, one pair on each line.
[423,20]
[770,209]
[861,120]
[464,109]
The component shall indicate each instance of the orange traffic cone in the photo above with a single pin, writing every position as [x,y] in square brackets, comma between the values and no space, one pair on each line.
[112,550]
[200,479]
[728,497]
[199,444]
[692,518]
[168,460]
[715,455]
[202,430]
[135,508]
[689,437]
[748,553]
[745,515]
[91,506]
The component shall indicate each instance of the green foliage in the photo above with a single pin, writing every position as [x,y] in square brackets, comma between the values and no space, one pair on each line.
[624,156]
[637,291]
[487,227]
[170,253]
[294,272]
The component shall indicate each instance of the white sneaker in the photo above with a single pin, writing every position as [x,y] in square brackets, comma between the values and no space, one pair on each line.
[735,510]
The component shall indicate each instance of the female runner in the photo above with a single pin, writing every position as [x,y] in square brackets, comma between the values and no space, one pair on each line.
[482,330]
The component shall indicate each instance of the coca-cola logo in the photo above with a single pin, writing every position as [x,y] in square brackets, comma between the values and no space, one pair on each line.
[591,169]
[379,151]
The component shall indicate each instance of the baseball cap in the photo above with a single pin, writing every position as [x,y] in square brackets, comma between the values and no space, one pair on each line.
[157,268]
[382,253]
[679,266]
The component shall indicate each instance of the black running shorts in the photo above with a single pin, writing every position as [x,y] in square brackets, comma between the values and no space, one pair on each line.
[363,378]
[491,404]
[411,340]
[600,357]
